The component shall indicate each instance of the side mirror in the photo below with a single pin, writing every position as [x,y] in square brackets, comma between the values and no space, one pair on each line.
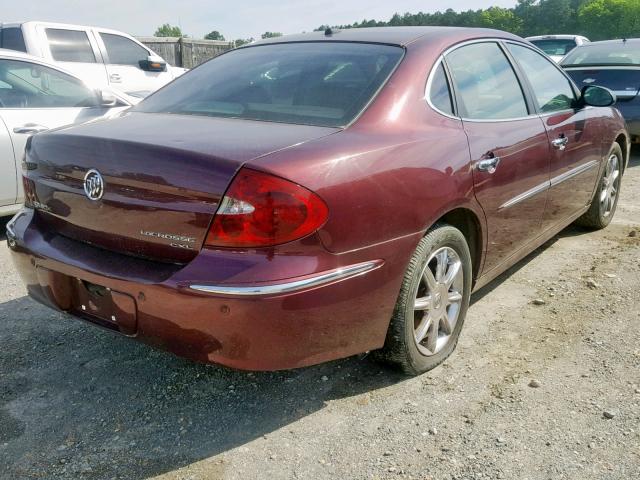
[597,96]
[106,98]
[153,64]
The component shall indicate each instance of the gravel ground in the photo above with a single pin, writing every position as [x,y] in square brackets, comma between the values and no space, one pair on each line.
[545,384]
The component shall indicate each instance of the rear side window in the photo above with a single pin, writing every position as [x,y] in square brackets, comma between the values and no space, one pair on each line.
[439,93]
[11,38]
[31,85]
[123,51]
[551,89]
[314,83]
[70,46]
[486,85]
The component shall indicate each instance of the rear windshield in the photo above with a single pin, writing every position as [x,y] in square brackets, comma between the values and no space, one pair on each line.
[605,54]
[555,46]
[11,38]
[322,83]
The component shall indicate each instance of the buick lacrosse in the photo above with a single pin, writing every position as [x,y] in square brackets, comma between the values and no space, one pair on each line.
[316,196]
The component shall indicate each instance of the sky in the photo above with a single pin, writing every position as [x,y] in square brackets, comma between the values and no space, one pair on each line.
[234,19]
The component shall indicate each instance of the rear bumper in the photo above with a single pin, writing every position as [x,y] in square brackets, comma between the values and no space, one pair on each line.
[316,315]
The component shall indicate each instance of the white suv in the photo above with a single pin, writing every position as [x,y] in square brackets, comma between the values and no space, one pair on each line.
[99,56]
[557,46]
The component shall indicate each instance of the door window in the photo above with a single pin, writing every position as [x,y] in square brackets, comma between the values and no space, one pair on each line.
[485,82]
[70,46]
[439,93]
[551,88]
[122,50]
[30,85]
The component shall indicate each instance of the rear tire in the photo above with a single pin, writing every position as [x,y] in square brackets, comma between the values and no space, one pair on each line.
[433,302]
[604,203]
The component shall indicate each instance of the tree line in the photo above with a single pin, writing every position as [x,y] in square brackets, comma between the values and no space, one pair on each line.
[596,19]
[168,30]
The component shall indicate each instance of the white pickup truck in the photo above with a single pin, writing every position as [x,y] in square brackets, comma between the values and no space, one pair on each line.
[101,57]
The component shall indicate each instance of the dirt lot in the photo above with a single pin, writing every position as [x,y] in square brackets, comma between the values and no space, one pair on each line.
[545,384]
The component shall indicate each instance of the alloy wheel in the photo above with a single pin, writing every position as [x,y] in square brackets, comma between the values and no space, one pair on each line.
[610,186]
[438,300]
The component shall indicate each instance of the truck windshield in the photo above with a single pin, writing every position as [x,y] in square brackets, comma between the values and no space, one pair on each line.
[555,46]
[314,83]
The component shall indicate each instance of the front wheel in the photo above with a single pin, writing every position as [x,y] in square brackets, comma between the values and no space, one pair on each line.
[432,304]
[605,201]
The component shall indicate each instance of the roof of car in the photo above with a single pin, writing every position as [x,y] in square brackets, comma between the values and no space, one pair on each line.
[555,37]
[391,35]
[618,41]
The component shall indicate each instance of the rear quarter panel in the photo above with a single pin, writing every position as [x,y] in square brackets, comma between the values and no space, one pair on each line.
[390,174]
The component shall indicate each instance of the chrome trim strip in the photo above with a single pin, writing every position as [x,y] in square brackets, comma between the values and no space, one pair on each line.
[572,173]
[287,287]
[548,184]
[495,40]
[619,67]
[543,187]
[625,93]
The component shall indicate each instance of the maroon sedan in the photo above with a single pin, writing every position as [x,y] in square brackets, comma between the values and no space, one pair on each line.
[318,196]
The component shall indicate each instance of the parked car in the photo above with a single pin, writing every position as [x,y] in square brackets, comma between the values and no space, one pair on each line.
[614,64]
[35,96]
[557,46]
[306,198]
[99,56]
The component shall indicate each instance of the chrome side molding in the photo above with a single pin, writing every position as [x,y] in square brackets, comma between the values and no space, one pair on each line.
[317,280]
[549,183]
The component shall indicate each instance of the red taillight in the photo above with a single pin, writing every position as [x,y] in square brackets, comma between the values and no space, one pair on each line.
[260,210]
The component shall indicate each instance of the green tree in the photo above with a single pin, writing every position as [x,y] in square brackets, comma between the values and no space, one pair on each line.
[602,19]
[242,41]
[214,35]
[271,34]
[501,19]
[168,30]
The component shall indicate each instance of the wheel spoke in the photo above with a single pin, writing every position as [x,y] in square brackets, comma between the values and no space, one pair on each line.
[452,273]
[442,260]
[445,324]
[603,195]
[422,303]
[429,279]
[615,175]
[423,329]
[432,335]
[454,297]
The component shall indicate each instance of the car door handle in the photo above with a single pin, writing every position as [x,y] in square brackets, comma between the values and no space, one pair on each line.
[30,128]
[560,143]
[115,77]
[489,165]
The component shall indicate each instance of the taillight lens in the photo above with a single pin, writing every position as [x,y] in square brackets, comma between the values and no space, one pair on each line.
[261,210]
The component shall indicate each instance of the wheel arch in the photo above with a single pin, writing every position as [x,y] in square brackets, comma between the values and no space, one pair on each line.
[623,140]
[468,222]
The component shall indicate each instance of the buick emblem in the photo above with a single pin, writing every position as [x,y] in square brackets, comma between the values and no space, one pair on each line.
[589,80]
[93,185]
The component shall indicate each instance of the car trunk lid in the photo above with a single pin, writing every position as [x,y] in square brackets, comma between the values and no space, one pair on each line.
[163,176]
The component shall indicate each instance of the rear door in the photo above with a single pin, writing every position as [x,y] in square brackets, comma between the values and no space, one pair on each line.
[36,98]
[508,144]
[77,51]
[122,58]
[573,133]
